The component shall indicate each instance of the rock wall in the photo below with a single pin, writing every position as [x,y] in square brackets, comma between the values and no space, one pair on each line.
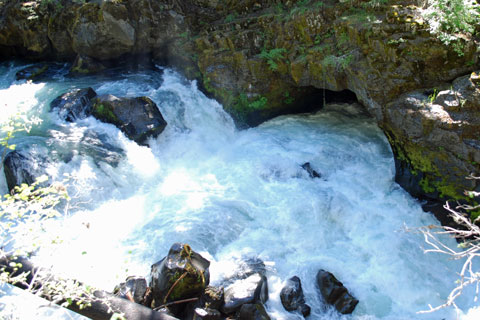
[261,58]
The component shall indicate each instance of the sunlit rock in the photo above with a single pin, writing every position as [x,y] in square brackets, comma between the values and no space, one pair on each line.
[250,290]
[334,293]
[207,314]
[74,105]
[292,297]
[182,274]
[133,289]
[24,166]
[139,118]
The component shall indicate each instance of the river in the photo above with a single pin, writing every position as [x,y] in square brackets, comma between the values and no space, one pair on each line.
[233,194]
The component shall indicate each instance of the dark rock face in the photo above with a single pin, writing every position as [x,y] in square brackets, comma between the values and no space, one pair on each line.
[334,293]
[250,290]
[182,274]
[74,105]
[253,312]
[138,118]
[24,167]
[311,172]
[292,297]
[133,289]
[86,65]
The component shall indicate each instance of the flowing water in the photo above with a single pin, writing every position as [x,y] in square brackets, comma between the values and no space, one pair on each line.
[234,195]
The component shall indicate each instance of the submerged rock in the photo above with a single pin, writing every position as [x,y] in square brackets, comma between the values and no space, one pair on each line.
[74,105]
[138,117]
[40,71]
[292,297]
[311,172]
[32,72]
[334,293]
[182,274]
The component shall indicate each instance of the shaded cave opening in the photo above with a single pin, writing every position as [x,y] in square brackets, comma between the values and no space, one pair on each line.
[306,100]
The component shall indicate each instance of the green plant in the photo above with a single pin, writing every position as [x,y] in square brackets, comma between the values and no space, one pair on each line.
[243,102]
[450,19]
[258,103]
[230,18]
[273,56]
[433,96]
[288,99]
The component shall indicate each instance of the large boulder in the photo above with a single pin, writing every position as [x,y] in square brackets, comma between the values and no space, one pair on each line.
[74,105]
[334,293]
[182,274]
[292,297]
[138,117]
[103,31]
[434,137]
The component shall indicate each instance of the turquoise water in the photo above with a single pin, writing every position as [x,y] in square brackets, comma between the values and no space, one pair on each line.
[234,194]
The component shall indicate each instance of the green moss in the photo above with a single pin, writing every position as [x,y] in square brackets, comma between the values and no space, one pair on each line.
[104,112]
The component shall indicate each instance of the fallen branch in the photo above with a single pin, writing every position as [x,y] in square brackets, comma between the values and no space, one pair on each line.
[101,304]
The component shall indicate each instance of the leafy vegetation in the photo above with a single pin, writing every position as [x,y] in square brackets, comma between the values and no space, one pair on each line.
[25,213]
[244,102]
[452,20]
[273,56]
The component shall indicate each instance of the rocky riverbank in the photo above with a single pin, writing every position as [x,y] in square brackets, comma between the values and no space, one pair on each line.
[264,58]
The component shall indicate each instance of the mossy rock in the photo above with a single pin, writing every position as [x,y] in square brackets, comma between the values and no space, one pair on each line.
[182,274]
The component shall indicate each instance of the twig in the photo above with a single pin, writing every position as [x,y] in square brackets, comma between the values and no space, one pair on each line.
[174,285]
[175,302]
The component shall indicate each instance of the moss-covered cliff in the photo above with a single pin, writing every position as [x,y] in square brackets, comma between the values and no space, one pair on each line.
[261,58]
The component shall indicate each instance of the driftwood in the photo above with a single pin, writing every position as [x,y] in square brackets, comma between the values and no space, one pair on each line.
[102,304]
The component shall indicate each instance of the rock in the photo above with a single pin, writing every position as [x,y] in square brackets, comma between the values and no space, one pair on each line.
[74,105]
[138,118]
[245,291]
[133,289]
[32,72]
[247,267]
[292,297]
[24,166]
[253,312]
[213,297]
[311,172]
[40,71]
[334,293]
[103,31]
[207,314]
[433,134]
[86,65]
[182,274]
